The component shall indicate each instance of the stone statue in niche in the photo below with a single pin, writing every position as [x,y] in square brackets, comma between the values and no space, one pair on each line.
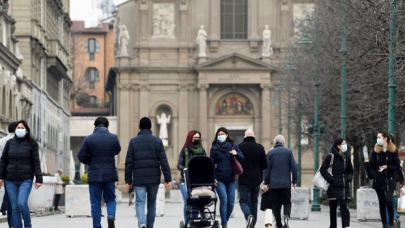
[163,121]
[123,41]
[163,21]
[267,49]
[202,41]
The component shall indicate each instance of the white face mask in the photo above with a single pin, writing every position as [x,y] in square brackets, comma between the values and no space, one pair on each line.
[344,148]
[20,133]
[380,142]
[221,138]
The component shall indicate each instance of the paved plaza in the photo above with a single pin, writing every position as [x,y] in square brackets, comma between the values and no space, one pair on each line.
[173,215]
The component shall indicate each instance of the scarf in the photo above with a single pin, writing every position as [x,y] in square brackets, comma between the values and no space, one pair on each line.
[196,150]
[224,147]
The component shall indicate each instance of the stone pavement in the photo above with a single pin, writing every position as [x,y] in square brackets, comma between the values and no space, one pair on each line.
[173,215]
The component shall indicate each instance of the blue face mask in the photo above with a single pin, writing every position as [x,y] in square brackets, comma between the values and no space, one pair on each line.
[380,142]
[20,133]
[221,138]
[344,148]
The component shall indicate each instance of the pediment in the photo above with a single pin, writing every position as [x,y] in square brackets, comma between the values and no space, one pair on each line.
[233,61]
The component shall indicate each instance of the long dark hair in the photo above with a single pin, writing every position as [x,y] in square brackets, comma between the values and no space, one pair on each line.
[27,136]
[337,142]
[189,140]
[228,139]
[389,136]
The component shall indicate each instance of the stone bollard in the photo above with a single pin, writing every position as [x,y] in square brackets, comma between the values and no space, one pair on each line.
[300,203]
[367,204]
[77,201]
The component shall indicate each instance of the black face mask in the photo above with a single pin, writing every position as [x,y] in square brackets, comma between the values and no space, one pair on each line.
[196,142]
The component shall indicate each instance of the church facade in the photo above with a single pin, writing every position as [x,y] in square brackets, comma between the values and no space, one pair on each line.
[200,65]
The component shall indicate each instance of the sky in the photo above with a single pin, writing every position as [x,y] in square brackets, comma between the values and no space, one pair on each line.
[82,10]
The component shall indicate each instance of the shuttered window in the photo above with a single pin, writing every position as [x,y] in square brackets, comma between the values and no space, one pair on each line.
[234,19]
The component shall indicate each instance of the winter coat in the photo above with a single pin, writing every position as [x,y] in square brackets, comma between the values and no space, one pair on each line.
[254,163]
[281,165]
[145,157]
[223,160]
[385,180]
[20,161]
[342,175]
[59,185]
[182,164]
[98,150]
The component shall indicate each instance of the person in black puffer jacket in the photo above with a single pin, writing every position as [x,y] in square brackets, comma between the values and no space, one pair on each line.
[18,166]
[192,147]
[222,152]
[342,174]
[384,163]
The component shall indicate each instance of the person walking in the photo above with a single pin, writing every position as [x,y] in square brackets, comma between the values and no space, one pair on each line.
[384,163]
[145,160]
[6,204]
[338,192]
[18,165]
[98,150]
[192,147]
[277,177]
[222,153]
[249,181]
[58,188]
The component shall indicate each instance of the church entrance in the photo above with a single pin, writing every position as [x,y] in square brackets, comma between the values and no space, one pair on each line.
[237,135]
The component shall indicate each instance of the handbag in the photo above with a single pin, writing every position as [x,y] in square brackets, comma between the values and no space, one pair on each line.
[237,167]
[319,180]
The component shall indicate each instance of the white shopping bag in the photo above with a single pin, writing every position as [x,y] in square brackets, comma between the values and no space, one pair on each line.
[401,201]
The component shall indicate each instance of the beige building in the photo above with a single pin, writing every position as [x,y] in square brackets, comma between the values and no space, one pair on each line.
[205,63]
[43,32]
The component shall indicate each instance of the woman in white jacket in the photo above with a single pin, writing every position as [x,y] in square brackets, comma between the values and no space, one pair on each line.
[58,188]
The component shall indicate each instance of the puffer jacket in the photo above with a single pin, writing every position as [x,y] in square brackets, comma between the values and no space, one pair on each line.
[222,159]
[20,161]
[385,180]
[182,164]
[146,159]
[98,150]
[342,175]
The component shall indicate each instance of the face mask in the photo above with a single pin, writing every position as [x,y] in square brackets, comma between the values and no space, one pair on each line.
[221,138]
[20,133]
[196,142]
[380,142]
[344,148]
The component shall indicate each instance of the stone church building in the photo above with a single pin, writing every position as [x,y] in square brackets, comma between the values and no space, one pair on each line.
[224,75]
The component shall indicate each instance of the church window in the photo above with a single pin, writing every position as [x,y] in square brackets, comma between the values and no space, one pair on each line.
[234,19]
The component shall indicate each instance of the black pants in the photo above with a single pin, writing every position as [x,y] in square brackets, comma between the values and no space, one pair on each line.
[344,211]
[281,197]
[385,201]
[57,198]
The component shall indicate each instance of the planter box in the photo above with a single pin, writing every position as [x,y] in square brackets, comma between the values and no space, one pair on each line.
[77,201]
[42,198]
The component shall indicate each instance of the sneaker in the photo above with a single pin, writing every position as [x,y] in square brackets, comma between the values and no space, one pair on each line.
[286,220]
[111,222]
[249,222]
[3,213]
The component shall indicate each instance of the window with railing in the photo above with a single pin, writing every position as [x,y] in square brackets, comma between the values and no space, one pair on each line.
[234,21]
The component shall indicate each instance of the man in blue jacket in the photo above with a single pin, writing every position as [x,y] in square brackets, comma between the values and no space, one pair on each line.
[145,160]
[277,177]
[98,151]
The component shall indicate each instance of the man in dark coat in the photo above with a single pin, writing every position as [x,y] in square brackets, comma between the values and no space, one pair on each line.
[98,150]
[249,181]
[145,160]
[281,165]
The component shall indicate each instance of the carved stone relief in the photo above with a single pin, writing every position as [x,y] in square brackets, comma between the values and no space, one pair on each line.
[163,21]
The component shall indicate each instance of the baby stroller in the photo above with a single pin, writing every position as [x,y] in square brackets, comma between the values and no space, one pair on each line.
[200,173]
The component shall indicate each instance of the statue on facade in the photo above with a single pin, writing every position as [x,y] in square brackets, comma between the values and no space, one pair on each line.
[123,41]
[163,121]
[267,49]
[202,41]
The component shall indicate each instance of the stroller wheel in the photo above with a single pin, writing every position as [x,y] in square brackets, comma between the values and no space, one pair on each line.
[182,224]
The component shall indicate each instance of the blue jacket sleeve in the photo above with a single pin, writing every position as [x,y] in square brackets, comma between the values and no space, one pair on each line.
[294,170]
[239,154]
[83,155]
[117,146]
[129,164]
[267,172]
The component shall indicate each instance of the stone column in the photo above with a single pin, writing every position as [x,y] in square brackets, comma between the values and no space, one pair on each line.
[134,105]
[183,115]
[203,112]
[215,19]
[144,100]
[253,14]
[285,22]
[266,115]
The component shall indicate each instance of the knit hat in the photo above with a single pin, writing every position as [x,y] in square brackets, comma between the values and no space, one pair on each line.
[145,123]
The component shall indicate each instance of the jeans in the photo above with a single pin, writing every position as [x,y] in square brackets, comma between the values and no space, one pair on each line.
[19,191]
[394,202]
[385,202]
[143,194]
[6,207]
[108,191]
[226,195]
[333,204]
[249,197]
[281,197]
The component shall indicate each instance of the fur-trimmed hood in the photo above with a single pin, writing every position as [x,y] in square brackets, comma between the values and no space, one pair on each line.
[391,148]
